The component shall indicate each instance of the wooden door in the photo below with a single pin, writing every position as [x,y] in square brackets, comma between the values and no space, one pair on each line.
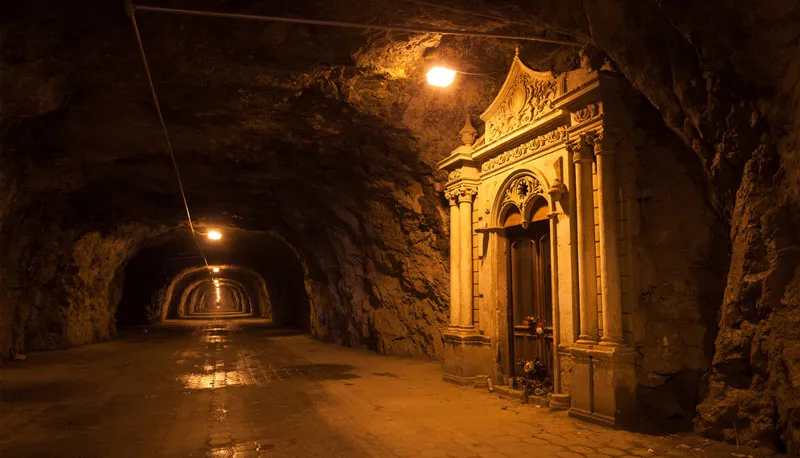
[530,301]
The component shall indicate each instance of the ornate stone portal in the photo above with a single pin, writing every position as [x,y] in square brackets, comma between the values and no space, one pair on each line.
[538,244]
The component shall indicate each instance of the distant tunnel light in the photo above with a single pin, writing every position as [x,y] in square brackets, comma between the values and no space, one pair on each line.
[440,76]
[214,235]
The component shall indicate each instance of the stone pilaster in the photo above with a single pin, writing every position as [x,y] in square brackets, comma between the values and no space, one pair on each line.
[466,194]
[467,353]
[455,259]
[582,155]
[609,261]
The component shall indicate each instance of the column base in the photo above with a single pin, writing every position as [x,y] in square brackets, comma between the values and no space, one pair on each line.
[559,401]
[612,342]
[467,356]
[603,384]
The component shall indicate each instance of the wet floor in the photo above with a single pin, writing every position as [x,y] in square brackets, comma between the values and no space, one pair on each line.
[242,388]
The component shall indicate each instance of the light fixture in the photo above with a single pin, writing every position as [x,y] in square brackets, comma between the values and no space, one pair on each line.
[214,235]
[215,269]
[440,76]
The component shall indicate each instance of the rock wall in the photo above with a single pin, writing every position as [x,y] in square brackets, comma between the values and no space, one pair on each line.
[682,254]
[308,122]
[725,80]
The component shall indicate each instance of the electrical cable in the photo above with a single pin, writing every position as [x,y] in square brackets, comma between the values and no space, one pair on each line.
[131,13]
[354,25]
[131,10]
[491,16]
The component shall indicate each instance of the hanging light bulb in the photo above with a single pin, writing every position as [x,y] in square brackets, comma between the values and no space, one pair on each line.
[440,76]
[214,235]
[215,269]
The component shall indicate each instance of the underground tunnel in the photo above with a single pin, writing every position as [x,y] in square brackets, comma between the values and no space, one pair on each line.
[243,228]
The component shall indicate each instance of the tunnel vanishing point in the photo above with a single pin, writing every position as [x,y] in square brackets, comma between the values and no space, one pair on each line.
[293,213]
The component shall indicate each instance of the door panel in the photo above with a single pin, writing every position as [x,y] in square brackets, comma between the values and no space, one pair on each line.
[531,296]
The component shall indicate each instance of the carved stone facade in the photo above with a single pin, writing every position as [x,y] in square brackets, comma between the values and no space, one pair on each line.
[532,199]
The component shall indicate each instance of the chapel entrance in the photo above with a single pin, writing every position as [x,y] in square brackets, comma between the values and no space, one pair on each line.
[530,310]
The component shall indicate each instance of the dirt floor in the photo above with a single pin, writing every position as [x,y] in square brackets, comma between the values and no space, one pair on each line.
[243,388]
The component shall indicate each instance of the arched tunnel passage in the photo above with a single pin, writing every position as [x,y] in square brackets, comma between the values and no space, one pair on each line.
[233,290]
[258,274]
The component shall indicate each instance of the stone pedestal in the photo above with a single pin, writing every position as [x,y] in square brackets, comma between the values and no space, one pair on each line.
[603,384]
[467,356]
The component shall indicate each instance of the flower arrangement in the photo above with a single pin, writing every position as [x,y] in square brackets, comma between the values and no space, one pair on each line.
[535,380]
[535,325]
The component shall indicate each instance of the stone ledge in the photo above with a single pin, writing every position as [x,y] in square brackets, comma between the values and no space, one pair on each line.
[595,418]
[466,337]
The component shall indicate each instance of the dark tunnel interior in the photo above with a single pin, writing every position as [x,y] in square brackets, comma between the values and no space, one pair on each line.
[591,206]
[258,274]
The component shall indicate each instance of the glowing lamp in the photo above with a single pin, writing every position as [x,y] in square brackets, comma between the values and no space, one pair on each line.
[440,76]
[214,235]
[215,269]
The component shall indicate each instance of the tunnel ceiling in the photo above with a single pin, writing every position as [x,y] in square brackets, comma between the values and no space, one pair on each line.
[329,137]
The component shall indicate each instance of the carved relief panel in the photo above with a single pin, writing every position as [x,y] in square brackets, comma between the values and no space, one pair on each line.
[526,95]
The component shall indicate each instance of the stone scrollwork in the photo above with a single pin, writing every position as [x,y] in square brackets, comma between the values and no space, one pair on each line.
[586,113]
[452,196]
[526,148]
[521,189]
[528,99]
[583,149]
[466,193]
[454,175]
[462,193]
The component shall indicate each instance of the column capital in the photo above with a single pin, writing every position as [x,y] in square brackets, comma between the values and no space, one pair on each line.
[582,150]
[466,193]
[452,196]
[603,143]
[461,193]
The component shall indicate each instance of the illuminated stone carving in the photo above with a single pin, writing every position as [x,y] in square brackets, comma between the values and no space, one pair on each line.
[521,189]
[584,114]
[525,149]
[525,96]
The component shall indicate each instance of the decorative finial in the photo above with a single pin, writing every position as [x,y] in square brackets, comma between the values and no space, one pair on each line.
[516,51]
[468,132]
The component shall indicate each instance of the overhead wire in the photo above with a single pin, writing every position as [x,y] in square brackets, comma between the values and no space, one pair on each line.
[354,25]
[131,13]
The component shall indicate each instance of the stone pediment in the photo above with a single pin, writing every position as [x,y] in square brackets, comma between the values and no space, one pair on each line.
[525,96]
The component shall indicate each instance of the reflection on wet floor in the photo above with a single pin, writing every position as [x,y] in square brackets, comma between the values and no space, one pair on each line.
[217,372]
[221,366]
[243,450]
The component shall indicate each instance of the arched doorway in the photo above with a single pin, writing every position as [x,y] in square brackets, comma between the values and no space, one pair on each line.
[529,305]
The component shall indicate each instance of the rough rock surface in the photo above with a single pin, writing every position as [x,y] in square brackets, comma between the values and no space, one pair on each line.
[324,139]
[289,129]
[724,75]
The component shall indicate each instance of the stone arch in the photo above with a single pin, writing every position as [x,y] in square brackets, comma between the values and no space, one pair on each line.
[520,190]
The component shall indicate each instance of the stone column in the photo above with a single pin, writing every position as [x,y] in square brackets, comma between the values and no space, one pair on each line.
[587,271]
[609,261]
[466,194]
[455,260]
